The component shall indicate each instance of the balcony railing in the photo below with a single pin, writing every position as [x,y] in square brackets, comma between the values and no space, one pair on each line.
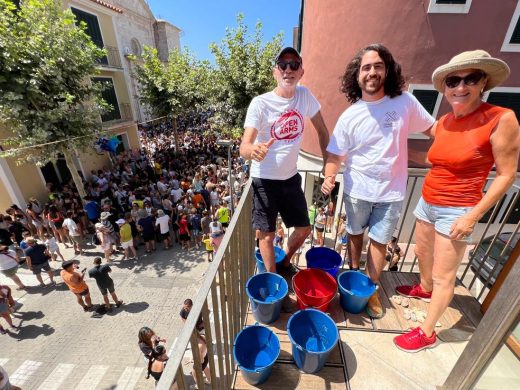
[120,113]
[112,59]
[224,303]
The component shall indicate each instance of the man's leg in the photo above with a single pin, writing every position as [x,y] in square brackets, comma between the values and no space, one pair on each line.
[382,224]
[376,260]
[265,243]
[88,300]
[295,241]
[115,299]
[354,248]
[107,303]
[39,277]
[51,275]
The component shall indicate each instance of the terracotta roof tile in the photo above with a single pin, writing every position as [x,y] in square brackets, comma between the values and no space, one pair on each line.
[110,6]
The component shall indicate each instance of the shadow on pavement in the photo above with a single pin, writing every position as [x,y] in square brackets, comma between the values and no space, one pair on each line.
[133,307]
[29,315]
[32,331]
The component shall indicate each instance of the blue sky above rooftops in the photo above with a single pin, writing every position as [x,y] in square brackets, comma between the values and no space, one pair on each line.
[205,21]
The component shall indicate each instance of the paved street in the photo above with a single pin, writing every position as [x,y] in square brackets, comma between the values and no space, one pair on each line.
[61,347]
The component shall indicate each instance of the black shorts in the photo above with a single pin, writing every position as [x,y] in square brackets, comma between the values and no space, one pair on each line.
[163,236]
[286,197]
[148,237]
[106,288]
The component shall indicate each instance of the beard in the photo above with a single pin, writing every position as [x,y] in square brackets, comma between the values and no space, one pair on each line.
[373,85]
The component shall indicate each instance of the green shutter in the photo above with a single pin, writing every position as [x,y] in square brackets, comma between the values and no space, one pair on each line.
[450,2]
[427,97]
[92,23]
[515,38]
[109,95]
[506,99]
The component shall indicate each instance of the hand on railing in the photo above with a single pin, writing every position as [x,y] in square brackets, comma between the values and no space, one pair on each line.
[328,184]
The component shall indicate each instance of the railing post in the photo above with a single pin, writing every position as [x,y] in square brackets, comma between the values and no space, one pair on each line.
[495,327]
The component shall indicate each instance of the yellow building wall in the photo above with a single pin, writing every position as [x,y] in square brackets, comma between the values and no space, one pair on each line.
[5,199]
[29,180]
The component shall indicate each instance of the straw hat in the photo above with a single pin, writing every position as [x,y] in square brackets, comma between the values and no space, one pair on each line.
[497,71]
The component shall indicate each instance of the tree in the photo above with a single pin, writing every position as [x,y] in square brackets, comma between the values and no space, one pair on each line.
[244,70]
[47,102]
[178,87]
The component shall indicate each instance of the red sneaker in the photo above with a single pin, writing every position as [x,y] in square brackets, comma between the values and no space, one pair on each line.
[415,341]
[414,291]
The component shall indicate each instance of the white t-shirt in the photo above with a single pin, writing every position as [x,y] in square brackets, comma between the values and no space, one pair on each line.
[71,227]
[282,119]
[163,223]
[176,194]
[8,260]
[374,138]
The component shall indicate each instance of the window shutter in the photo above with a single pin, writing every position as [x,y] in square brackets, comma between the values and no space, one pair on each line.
[92,23]
[506,99]
[515,37]
[109,95]
[427,97]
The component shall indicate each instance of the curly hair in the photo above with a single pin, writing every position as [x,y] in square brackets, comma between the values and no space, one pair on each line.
[394,81]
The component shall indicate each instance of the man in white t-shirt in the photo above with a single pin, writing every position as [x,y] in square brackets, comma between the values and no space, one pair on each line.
[74,233]
[371,137]
[273,133]
[163,221]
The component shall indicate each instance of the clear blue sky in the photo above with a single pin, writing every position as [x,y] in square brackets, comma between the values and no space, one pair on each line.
[205,21]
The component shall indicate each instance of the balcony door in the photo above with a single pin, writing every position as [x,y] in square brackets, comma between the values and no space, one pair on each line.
[92,29]
[108,94]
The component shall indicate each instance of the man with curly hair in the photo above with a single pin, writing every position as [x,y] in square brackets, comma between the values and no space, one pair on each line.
[371,137]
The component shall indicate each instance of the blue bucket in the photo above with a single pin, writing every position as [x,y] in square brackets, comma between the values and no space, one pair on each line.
[266,292]
[279,255]
[323,258]
[313,334]
[355,288]
[256,349]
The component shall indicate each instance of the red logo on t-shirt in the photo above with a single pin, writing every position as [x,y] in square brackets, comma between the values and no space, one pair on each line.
[288,126]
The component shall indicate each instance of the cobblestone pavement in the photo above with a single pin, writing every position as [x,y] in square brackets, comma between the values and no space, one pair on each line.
[61,347]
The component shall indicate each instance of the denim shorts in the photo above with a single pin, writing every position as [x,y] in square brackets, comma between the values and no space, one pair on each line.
[380,218]
[442,217]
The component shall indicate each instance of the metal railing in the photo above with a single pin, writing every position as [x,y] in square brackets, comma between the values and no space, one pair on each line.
[112,59]
[223,303]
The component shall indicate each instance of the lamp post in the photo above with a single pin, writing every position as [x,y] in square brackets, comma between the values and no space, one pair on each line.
[228,143]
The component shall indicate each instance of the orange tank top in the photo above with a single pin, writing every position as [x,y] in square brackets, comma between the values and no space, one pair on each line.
[461,157]
[75,287]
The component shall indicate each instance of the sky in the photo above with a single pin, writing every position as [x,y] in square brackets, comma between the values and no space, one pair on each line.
[205,21]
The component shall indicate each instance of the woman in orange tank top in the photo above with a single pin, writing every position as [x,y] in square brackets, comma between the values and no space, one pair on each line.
[468,142]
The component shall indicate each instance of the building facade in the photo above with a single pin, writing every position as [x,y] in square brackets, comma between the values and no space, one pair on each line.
[421,34]
[122,27]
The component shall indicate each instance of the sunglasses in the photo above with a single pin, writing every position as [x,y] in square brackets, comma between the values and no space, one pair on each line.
[294,65]
[470,79]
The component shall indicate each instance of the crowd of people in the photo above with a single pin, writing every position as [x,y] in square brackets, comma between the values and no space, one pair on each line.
[154,197]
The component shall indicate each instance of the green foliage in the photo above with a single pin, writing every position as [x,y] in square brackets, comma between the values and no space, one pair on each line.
[244,70]
[45,93]
[176,87]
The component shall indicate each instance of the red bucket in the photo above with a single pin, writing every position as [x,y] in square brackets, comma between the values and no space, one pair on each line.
[314,288]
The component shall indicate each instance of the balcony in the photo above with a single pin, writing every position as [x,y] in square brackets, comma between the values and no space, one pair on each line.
[120,113]
[365,357]
[112,59]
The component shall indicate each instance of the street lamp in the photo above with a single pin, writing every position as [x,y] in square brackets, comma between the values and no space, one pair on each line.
[228,143]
